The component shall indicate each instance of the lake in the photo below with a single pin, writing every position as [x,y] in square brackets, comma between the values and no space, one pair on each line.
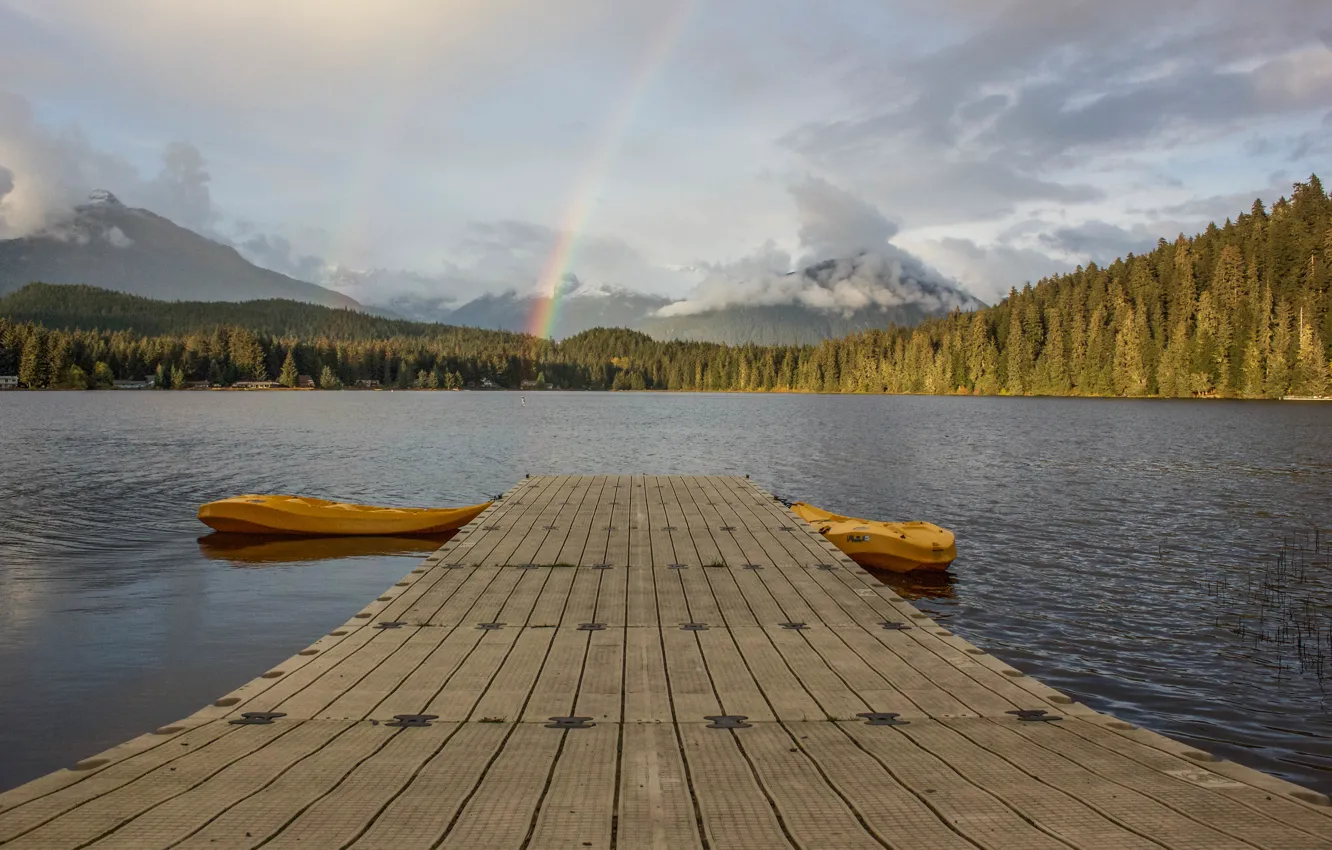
[1119,550]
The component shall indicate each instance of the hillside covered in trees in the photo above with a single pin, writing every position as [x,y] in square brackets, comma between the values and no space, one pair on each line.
[1241,310]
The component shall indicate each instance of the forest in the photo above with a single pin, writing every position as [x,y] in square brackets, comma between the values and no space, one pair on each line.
[1241,310]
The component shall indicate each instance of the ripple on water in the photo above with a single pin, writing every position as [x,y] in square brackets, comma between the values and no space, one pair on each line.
[1088,532]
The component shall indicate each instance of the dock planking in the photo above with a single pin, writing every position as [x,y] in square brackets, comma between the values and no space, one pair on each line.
[641,609]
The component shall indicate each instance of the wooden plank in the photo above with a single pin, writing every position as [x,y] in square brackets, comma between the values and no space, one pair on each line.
[595,520]
[419,814]
[1138,812]
[578,809]
[732,606]
[557,687]
[622,521]
[734,684]
[500,813]
[1314,819]
[497,547]
[600,694]
[656,809]
[572,525]
[527,534]
[641,596]
[32,813]
[736,813]
[813,812]
[976,814]
[415,693]
[563,530]
[677,524]
[279,777]
[640,537]
[1176,792]
[691,688]
[661,543]
[1049,808]
[100,815]
[646,693]
[892,813]
[581,606]
[321,804]
[503,697]
[465,687]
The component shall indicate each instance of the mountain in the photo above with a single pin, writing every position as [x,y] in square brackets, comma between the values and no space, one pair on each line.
[579,308]
[109,245]
[86,308]
[1242,310]
[892,297]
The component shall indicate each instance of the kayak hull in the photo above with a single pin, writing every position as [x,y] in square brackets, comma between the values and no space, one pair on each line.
[900,547]
[299,515]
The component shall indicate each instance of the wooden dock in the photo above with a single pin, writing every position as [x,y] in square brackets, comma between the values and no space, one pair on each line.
[652,662]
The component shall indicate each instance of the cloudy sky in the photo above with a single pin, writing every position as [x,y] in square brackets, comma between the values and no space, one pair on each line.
[467,145]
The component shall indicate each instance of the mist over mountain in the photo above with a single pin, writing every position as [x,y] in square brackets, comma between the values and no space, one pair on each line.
[112,246]
[827,299]
[755,300]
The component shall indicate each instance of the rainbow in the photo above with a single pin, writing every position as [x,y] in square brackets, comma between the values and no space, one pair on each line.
[546,311]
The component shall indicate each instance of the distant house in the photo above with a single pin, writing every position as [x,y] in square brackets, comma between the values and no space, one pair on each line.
[305,382]
[145,384]
[8,382]
[368,384]
[255,385]
[197,385]
[487,384]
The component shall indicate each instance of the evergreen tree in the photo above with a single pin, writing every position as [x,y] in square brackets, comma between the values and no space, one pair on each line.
[1311,373]
[288,376]
[32,363]
[102,377]
[328,380]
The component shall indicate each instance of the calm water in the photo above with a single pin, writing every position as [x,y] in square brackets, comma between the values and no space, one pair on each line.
[1089,534]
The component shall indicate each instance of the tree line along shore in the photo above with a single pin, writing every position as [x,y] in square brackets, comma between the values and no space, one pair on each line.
[1242,310]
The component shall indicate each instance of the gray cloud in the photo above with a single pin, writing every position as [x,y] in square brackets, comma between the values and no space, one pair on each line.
[276,252]
[991,271]
[849,264]
[1101,241]
[1001,117]
[835,223]
[46,173]
[117,238]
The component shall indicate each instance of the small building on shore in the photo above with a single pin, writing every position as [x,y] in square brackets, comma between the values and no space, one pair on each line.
[255,385]
[305,382]
[9,382]
[197,385]
[367,385]
[145,384]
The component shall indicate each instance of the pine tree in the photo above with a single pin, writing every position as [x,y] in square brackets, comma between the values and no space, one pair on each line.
[102,377]
[1018,351]
[32,362]
[1311,373]
[288,376]
[328,380]
[1278,357]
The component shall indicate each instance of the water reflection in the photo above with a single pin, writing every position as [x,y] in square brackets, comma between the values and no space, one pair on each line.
[918,584]
[258,550]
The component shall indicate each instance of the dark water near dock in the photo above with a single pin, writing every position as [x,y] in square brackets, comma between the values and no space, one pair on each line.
[1107,547]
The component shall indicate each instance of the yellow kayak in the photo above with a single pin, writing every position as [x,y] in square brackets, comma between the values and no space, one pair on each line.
[897,546]
[259,514]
